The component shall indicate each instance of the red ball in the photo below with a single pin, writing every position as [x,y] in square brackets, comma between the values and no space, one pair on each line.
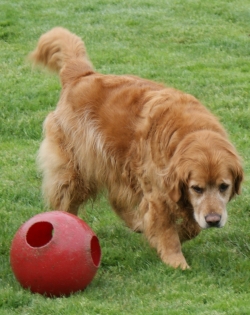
[55,253]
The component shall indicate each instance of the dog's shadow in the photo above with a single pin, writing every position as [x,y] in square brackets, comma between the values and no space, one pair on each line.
[218,252]
[217,258]
[214,254]
[213,250]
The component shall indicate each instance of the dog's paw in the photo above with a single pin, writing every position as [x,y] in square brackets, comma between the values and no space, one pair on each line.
[176,261]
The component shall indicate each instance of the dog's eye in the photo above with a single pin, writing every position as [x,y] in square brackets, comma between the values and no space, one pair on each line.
[197,189]
[223,187]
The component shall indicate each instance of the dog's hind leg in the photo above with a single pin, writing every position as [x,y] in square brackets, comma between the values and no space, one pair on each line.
[124,213]
[126,207]
[63,186]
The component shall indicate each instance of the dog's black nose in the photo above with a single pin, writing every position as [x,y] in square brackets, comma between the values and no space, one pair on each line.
[213,219]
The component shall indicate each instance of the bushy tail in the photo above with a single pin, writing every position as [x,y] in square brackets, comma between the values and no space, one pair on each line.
[64,52]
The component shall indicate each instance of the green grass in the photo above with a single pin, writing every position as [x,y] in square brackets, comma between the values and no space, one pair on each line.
[201,47]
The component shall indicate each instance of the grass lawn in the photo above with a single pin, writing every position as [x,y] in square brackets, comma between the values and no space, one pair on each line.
[200,47]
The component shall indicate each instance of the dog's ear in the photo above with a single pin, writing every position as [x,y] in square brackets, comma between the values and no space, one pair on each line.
[173,183]
[238,176]
[175,193]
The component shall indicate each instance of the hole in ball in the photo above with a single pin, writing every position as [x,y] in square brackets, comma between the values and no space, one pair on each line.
[39,234]
[95,251]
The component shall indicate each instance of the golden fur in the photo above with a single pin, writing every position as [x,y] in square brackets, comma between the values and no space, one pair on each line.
[163,158]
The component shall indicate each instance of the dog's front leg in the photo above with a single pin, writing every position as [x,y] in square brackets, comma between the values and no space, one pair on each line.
[160,230]
[170,252]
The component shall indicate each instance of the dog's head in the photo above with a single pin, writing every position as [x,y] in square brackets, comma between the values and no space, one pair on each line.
[206,172]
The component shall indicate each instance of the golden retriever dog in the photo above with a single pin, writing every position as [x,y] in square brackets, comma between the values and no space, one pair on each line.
[164,160]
